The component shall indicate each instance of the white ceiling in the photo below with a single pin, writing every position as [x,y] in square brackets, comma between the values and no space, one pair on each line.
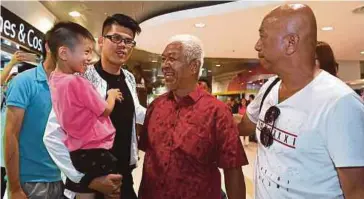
[232,29]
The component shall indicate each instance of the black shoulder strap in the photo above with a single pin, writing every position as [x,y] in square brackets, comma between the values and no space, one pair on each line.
[267,92]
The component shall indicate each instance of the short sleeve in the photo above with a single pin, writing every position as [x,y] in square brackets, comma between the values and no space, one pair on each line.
[252,110]
[230,152]
[344,132]
[143,136]
[86,94]
[19,92]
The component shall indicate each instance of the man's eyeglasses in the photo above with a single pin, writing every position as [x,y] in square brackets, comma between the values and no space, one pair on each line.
[266,136]
[118,39]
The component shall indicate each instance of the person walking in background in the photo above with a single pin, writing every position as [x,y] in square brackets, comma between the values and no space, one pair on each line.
[204,84]
[242,111]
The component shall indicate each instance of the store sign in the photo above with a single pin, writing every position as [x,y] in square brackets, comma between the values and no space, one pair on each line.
[16,29]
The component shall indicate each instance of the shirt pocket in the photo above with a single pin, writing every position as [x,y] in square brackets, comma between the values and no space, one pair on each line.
[196,142]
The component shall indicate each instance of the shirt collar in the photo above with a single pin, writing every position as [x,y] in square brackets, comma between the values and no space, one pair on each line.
[40,73]
[104,74]
[192,97]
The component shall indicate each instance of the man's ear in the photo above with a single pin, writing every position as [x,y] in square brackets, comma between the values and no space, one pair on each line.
[100,41]
[195,66]
[291,43]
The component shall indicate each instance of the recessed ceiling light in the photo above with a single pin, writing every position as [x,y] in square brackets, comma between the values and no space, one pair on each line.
[362,52]
[74,14]
[200,25]
[154,61]
[218,65]
[327,28]
[209,71]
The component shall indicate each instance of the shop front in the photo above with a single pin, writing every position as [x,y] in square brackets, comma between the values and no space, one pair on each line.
[17,34]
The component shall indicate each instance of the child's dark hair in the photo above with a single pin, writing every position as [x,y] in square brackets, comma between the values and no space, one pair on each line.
[66,34]
[122,20]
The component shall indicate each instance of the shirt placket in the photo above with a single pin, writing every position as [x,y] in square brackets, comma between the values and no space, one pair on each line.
[170,145]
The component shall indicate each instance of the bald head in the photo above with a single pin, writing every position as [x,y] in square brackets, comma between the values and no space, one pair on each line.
[295,19]
[288,34]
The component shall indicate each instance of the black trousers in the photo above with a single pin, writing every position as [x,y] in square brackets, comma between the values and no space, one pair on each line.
[3,183]
[92,162]
[126,189]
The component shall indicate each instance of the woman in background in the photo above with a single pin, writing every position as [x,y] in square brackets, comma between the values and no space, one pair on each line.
[242,110]
[325,58]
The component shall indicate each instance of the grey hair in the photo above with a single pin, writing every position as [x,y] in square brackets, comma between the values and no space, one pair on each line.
[192,48]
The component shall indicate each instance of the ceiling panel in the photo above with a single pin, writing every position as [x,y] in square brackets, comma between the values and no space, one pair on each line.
[93,13]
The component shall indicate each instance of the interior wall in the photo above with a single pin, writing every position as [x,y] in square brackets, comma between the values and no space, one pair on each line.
[349,70]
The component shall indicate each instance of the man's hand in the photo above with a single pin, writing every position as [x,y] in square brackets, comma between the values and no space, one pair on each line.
[18,56]
[17,194]
[114,195]
[106,184]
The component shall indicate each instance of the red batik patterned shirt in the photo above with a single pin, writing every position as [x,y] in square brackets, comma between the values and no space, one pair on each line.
[185,143]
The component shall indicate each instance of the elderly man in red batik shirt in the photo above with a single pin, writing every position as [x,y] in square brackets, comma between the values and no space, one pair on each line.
[189,134]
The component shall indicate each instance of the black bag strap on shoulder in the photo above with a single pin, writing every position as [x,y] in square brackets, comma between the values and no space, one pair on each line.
[268,91]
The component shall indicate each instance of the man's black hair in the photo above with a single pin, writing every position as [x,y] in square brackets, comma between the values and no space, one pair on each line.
[122,20]
[252,96]
[202,79]
[66,34]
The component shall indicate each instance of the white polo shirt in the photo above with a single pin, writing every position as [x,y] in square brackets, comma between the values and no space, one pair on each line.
[320,128]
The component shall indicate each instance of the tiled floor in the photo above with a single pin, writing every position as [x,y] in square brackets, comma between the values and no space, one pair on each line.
[248,171]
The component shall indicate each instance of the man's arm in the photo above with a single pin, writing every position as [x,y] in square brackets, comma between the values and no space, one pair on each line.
[230,153]
[234,183]
[352,182]
[14,120]
[344,137]
[53,140]
[246,126]
[17,57]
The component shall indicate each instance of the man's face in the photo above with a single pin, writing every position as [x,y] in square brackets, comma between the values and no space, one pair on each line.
[269,43]
[203,86]
[175,68]
[113,46]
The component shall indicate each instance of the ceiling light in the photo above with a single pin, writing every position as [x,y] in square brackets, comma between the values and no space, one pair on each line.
[209,71]
[154,61]
[327,28]
[218,65]
[200,25]
[362,52]
[74,14]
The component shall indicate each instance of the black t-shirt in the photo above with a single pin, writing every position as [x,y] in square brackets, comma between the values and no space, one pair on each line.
[122,117]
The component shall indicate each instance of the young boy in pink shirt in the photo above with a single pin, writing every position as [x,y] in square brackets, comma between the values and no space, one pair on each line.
[80,110]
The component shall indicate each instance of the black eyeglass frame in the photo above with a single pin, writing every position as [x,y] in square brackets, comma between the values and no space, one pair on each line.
[128,42]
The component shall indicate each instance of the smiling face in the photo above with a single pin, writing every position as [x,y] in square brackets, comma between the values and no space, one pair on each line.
[177,71]
[115,52]
[78,57]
